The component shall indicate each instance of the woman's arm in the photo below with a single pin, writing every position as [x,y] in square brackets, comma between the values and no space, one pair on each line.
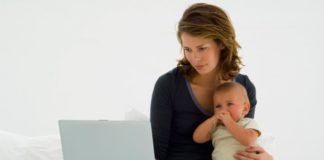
[161,116]
[203,132]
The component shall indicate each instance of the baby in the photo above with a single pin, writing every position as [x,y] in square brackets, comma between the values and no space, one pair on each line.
[228,128]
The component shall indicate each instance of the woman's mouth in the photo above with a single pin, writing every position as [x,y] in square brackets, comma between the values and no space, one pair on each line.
[199,67]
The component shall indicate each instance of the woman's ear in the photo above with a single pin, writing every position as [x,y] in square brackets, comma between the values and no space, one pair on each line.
[222,46]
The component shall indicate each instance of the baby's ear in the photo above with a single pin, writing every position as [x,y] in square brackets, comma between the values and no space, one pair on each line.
[246,108]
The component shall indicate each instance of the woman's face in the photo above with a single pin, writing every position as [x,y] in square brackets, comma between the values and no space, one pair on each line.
[203,54]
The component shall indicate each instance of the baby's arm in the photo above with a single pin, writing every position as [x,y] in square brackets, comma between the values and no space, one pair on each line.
[202,133]
[246,136]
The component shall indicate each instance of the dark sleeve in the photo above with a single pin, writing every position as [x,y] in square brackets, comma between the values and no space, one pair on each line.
[161,115]
[250,88]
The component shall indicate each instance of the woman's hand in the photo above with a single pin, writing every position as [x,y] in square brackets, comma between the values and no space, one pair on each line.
[253,153]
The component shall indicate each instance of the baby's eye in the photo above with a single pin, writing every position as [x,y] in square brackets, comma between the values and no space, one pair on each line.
[217,106]
[230,104]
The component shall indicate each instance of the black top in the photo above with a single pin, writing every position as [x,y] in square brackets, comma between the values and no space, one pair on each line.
[175,115]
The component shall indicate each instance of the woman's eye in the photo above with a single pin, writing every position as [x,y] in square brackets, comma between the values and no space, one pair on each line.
[187,50]
[202,49]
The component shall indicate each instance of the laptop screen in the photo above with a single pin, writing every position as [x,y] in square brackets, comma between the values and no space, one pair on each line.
[106,140]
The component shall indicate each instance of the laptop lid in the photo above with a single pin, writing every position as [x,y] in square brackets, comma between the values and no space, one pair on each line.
[106,140]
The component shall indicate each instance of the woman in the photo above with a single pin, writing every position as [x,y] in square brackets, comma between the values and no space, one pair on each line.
[182,98]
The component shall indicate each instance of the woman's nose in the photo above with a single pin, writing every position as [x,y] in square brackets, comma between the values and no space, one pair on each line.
[196,55]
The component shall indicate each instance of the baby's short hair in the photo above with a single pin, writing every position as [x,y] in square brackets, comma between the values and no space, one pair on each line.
[227,86]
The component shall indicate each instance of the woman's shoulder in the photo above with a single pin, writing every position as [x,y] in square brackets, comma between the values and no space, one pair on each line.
[240,76]
[175,72]
[244,80]
[173,76]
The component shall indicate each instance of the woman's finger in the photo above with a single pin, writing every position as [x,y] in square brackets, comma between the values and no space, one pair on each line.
[243,155]
[255,149]
[239,157]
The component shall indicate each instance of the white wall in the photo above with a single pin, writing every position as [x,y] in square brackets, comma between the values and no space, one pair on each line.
[71,59]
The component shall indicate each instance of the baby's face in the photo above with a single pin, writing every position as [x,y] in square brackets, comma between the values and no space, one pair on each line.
[232,101]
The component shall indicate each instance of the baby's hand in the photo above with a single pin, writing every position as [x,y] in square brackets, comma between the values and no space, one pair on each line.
[215,118]
[224,116]
[218,115]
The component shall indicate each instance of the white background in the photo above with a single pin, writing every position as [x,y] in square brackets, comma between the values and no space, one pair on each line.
[96,59]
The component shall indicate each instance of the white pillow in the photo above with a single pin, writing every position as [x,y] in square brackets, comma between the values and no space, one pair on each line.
[11,146]
[19,147]
[44,148]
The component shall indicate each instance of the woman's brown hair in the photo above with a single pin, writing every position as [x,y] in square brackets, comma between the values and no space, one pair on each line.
[211,22]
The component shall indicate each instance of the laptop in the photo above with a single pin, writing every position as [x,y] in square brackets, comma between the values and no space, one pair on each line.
[106,140]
